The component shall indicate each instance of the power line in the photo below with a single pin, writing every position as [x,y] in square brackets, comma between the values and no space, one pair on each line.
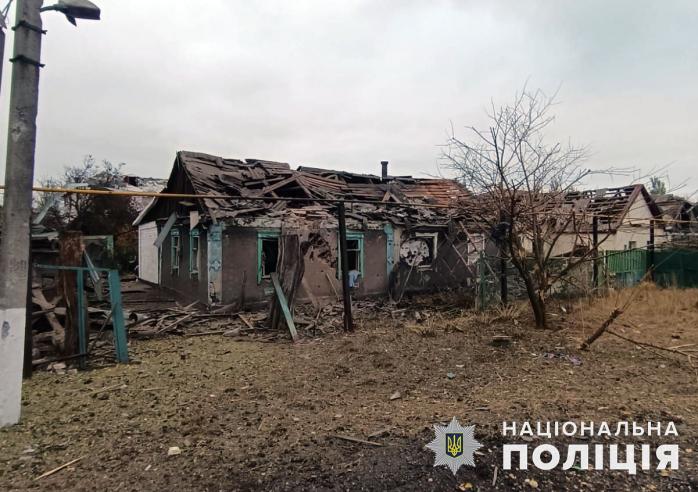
[456,207]
[231,197]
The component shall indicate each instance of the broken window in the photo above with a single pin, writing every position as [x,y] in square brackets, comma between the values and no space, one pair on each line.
[176,248]
[420,250]
[355,253]
[267,253]
[194,253]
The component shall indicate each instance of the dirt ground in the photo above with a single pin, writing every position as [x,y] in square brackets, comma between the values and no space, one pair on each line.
[248,415]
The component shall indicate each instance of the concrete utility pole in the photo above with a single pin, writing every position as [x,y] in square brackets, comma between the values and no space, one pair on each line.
[3,26]
[15,244]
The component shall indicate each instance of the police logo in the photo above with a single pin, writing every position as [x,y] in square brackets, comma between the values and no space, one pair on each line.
[454,445]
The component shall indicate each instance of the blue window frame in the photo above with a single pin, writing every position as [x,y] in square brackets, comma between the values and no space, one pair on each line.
[267,253]
[176,251]
[194,252]
[355,252]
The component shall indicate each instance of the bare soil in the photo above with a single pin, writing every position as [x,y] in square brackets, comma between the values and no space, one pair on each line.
[262,416]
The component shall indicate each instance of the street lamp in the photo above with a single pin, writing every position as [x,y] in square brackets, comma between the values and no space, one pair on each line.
[15,246]
[75,9]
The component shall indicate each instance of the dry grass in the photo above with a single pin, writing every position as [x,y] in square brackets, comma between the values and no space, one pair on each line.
[513,312]
[650,314]
[646,301]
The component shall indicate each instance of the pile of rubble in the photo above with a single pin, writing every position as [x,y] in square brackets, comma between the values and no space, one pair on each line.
[55,326]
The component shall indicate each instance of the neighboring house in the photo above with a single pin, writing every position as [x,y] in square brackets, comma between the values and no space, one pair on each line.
[130,182]
[221,250]
[625,215]
[679,215]
[100,247]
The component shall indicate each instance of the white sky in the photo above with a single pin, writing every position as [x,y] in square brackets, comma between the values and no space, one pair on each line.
[346,84]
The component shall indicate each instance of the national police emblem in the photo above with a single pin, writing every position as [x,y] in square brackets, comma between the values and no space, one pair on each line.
[454,445]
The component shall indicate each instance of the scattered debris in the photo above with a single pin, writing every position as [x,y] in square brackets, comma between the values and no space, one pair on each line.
[531,482]
[59,468]
[356,439]
[501,341]
[174,451]
[573,359]
[380,433]
[396,395]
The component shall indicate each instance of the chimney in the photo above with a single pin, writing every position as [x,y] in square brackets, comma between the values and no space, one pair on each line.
[384,170]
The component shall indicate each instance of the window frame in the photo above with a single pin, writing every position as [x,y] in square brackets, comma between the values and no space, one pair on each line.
[435,237]
[352,236]
[175,251]
[261,236]
[194,253]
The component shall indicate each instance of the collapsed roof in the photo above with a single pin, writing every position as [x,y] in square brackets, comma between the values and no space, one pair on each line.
[611,205]
[310,192]
[675,207]
[679,214]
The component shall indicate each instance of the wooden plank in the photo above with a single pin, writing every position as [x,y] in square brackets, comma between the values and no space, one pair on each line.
[244,320]
[59,468]
[176,323]
[284,306]
[165,230]
[356,440]
[290,270]
[118,324]
[70,255]
[48,308]
[460,256]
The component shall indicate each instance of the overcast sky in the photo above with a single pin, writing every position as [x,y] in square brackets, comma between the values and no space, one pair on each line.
[346,84]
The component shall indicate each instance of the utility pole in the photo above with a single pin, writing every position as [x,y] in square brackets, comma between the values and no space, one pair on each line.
[15,244]
[348,321]
[3,26]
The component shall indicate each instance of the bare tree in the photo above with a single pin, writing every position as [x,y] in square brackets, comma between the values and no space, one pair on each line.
[91,214]
[520,184]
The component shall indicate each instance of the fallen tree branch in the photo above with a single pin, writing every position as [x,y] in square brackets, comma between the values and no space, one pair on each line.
[355,439]
[59,468]
[646,344]
[600,331]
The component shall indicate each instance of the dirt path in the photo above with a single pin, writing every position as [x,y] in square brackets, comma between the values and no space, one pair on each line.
[249,415]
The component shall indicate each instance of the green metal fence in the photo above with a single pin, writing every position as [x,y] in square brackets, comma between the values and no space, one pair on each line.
[116,314]
[676,268]
[672,267]
[626,268]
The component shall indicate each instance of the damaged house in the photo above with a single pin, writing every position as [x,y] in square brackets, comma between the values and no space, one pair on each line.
[223,245]
[679,215]
[625,217]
